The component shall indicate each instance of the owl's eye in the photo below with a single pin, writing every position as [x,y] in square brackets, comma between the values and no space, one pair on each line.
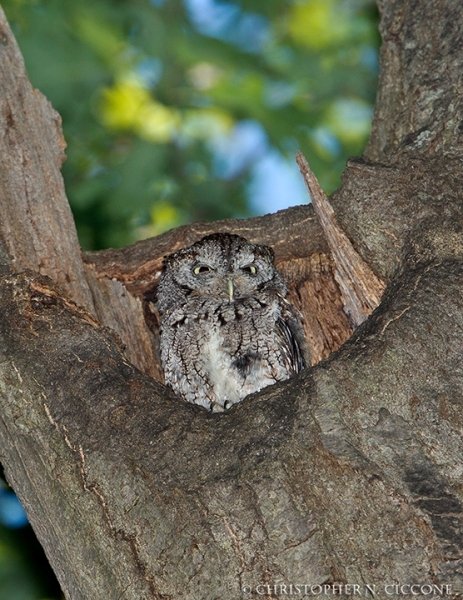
[250,269]
[199,269]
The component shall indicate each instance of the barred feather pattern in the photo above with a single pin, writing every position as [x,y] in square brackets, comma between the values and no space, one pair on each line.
[227,330]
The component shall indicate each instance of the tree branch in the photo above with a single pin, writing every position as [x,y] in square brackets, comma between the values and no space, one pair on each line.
[361,290]
[37,227]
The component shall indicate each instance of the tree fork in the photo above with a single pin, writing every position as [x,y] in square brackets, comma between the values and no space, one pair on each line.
[348,473]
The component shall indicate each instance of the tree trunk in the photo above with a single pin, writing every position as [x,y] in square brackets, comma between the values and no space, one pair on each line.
[345,480]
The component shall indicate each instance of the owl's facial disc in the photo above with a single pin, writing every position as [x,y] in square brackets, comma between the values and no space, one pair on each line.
[210,279]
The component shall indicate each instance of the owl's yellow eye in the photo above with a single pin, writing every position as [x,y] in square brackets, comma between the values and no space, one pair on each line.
[198,269]
[250,269]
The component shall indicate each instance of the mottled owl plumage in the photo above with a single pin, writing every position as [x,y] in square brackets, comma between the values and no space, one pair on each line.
[226,328]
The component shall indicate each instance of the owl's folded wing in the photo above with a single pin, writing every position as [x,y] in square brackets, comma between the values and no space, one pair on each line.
[293,343]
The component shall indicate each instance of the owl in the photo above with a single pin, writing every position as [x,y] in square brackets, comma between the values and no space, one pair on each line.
[226,328]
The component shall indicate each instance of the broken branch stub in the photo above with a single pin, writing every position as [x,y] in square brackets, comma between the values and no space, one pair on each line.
[361,289]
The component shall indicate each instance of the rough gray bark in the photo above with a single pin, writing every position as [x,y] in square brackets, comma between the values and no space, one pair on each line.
[30,181]
[350,473]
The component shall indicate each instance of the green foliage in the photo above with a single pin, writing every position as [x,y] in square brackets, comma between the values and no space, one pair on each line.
[23,568]
[150,91]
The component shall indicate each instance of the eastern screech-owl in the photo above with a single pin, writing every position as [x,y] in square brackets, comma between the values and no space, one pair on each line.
[226,328]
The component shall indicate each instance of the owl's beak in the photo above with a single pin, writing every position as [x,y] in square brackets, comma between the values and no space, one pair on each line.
[230,289]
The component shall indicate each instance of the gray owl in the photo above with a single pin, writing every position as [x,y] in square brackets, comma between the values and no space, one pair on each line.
[226,328]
